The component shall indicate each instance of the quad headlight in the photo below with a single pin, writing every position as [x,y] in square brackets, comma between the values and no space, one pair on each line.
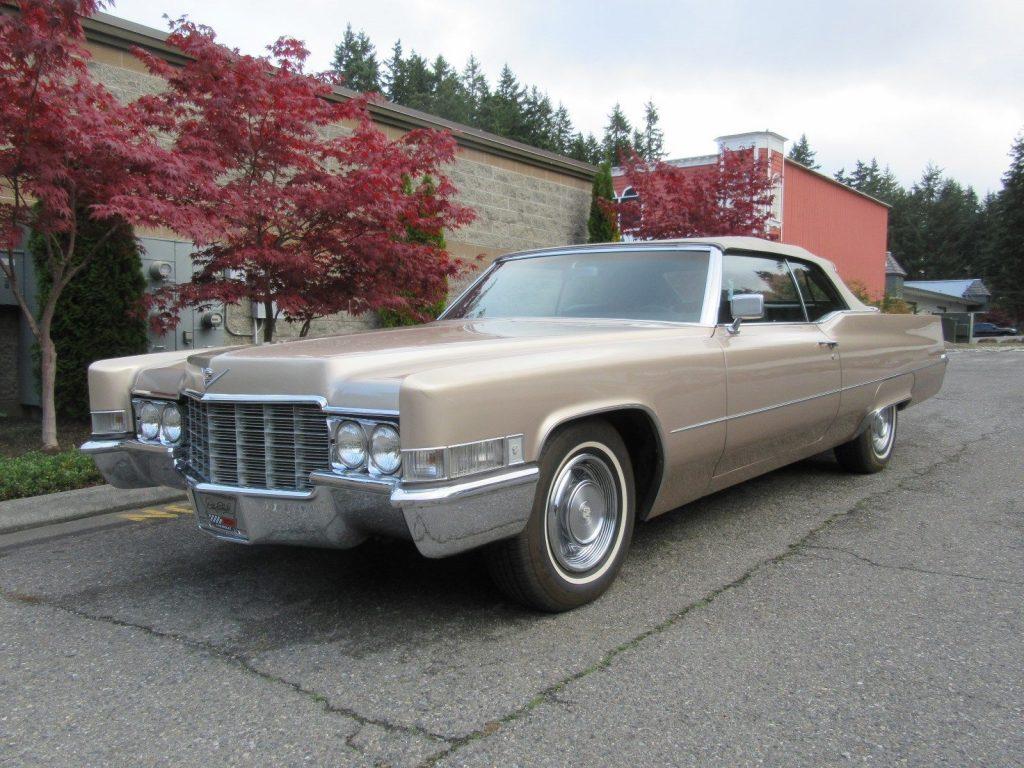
[149,421]
[158,421]
[385,449]
[349,445]
[365,445]
[170,424]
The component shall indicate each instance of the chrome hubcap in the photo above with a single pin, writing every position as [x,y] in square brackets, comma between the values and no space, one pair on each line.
[882,431]
[582,513]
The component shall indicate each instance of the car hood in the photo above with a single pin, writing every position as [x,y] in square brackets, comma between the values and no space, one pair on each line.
[365,370]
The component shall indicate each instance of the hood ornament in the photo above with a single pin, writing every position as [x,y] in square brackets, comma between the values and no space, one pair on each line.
[209,378]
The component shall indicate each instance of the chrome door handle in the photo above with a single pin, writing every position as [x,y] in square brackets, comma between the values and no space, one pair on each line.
[829,344]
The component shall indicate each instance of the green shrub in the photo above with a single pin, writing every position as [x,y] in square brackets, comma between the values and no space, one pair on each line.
[97,314]
[602,226]
[394,318]
[35,473]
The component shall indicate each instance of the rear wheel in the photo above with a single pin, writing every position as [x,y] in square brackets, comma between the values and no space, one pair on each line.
[870,451]
[581,524]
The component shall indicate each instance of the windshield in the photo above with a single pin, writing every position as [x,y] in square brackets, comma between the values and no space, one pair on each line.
[625,285]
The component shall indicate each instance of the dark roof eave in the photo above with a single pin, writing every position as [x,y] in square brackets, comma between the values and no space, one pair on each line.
[120,33]
[406,118]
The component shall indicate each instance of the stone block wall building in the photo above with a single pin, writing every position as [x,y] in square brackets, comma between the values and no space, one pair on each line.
[524,197]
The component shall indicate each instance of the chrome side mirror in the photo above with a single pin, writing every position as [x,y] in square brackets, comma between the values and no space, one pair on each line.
[745,306]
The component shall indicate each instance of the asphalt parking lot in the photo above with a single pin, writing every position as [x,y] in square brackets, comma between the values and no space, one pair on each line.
[808,617]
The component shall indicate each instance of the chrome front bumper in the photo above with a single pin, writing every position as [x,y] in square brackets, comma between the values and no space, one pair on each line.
[442,519]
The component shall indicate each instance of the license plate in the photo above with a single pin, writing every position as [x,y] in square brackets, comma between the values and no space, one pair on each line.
[217,511]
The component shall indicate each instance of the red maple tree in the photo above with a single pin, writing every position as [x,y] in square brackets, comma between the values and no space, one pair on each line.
[66,145]
[287,209]
[733,196]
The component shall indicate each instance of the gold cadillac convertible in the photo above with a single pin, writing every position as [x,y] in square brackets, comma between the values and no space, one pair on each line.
[565,395]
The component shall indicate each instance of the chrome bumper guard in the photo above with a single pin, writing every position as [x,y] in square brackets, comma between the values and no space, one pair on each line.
[340,511]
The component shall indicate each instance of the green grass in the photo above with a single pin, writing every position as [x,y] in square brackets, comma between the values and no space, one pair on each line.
[35,473]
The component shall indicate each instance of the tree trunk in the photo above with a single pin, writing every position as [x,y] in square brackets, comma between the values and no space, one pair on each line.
[305,327]
[269,322]
[48,379]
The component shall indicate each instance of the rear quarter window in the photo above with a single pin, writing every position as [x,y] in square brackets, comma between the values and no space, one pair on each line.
[819,293]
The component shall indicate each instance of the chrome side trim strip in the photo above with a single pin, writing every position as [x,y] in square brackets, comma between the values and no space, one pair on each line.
[757,410]
[402,497]
[766,408]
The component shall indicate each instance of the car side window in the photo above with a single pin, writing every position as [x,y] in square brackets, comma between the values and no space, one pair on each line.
[768,276]
[819,293]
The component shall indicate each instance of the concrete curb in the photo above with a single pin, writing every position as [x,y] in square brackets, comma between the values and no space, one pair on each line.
[34,511]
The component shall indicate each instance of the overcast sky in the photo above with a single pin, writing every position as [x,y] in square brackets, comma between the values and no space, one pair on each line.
[906,82]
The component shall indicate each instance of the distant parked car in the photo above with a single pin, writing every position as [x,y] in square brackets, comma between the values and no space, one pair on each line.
[991,329]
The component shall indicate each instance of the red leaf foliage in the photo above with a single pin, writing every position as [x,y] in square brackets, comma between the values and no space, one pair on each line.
[283,204]
[732,197]
[65,141]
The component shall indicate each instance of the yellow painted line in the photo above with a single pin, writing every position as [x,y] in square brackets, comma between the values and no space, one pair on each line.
[166,512]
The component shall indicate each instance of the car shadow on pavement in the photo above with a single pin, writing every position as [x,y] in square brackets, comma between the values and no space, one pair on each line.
[382,592]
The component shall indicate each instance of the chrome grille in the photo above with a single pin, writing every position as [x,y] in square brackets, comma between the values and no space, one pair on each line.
[257,445]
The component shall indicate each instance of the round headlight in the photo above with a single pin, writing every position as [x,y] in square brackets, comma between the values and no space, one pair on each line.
[385,449]
[170,424]
[149,421]
[350,445]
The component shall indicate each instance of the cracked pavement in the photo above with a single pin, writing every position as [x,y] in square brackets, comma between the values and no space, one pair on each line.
[808,617]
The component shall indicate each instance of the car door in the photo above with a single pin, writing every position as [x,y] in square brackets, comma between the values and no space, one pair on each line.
[782,372]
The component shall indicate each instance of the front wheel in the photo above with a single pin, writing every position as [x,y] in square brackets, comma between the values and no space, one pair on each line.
[870,451]
[581,523]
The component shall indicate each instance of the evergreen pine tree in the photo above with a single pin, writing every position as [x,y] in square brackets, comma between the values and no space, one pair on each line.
[618,137]
[503,112]
[449,99]
[638,142]
[650,143]
[97,313]
[355,59]
[474,85]
[802,153]
[561,130]
[1007,239]
[538,119]
[419,82]
[602,226]
[394,81]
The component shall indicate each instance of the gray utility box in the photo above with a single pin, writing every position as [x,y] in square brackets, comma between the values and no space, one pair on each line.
[166,262]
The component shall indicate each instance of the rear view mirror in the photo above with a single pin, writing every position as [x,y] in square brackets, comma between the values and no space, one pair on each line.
[745,306]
